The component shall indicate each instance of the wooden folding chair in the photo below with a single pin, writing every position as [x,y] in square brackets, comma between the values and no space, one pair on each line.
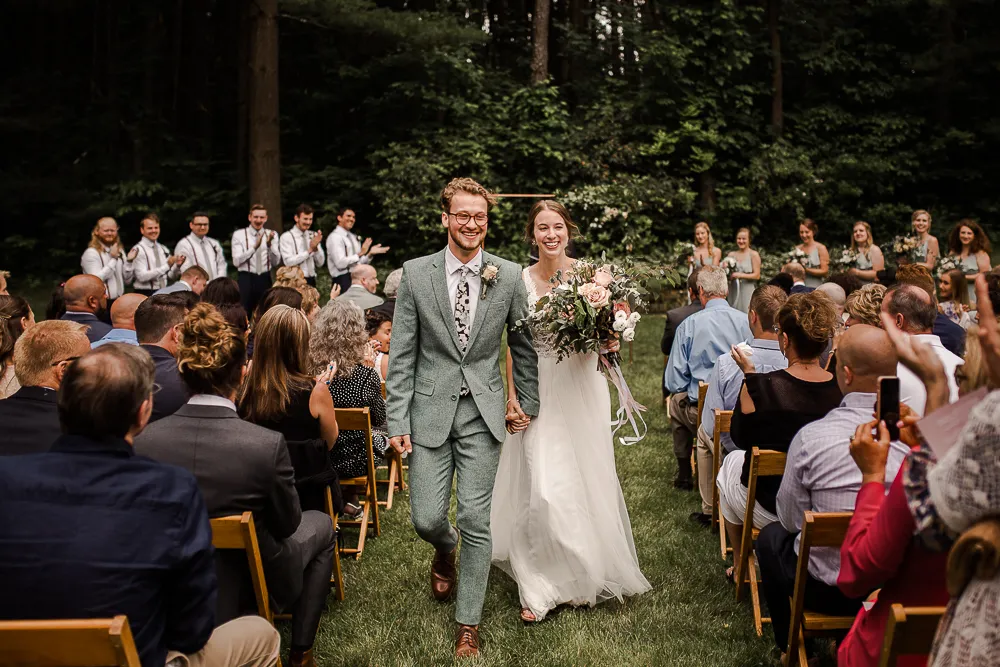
[237,532]
[97,642]
[910,631]
[338,575]
[763,463]
[359,419]
[702,392]
[723,422]
[394,474]
[818,530]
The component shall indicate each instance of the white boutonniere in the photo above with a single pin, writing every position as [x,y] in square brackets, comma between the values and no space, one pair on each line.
[488,276]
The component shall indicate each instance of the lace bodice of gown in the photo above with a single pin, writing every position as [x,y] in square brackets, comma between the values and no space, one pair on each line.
[543,341]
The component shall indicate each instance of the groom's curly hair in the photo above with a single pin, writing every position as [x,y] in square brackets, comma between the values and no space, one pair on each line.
[465,185]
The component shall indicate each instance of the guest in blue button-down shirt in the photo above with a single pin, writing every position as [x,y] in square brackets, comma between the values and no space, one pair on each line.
[122,321]
[699,341]
[90,530]
[726,380]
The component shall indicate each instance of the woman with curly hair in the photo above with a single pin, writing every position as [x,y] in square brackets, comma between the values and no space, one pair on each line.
[772,407]
[339,339]
[15,318]
[864,305]
[970,245]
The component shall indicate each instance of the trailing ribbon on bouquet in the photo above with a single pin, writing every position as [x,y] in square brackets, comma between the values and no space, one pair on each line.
[629,409]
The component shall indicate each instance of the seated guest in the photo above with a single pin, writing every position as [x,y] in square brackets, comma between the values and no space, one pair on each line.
[290,276]
[339,338]
[951,334]
[849,282]
[798,274]
[700,339]
[243,467]
[390,289]
[310,302]
[15,318]
[272,296]
[122,321]
[726,380]
[56,307]
[86,302]
[158,321]
[379,326]
[221,291]
[954,302]
[90,530]
[837,295]
[29,417]
[820,476]
[674,318]
[772,407]
[279,395]
[234,314]
[364,282]
[913,312]
[784,281]
[864,306]
[194,279]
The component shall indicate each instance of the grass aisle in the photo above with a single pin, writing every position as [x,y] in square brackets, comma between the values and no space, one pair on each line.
[689,618]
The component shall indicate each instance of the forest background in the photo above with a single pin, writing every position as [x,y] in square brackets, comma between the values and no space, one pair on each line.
[644,117]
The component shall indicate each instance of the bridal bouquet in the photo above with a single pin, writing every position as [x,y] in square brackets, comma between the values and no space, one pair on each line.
[586,309]
[945,264]
[846,260]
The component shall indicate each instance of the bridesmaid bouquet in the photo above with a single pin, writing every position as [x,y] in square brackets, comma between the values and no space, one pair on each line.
[905,245]
[584,311]
[846,259]
[796,255]
[729,265]
[945,264]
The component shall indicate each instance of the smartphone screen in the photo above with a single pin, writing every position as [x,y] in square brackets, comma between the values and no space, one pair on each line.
[887,407]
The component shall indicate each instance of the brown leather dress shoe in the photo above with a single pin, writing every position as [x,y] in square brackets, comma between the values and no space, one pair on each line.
[302,659]
[443,575]
[467,644]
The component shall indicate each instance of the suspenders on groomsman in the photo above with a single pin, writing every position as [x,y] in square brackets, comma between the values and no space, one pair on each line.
[254,262]
[296,245]
[151,267]
[204,252]
[116,272]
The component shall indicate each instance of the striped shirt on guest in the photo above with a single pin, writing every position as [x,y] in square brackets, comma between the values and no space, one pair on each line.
[821,476]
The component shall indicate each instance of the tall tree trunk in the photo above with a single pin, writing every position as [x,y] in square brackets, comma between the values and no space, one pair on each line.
[706,185]
[265,155]
[242,94]
[777,81]
[540,42]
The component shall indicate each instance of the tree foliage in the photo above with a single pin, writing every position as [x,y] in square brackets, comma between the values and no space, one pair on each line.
[655,114]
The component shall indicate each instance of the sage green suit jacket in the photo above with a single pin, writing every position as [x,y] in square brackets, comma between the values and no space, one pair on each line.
[426,366]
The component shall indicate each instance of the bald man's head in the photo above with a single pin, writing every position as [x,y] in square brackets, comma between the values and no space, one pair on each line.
[795,270]
[123,311]
[85,293]
[911,308]
[366,276]
[863,354]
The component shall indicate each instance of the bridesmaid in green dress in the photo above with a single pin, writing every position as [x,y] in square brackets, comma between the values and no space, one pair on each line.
[817,263]
[743,279]
[705,252]
[870,259]
[968,243]
[928,251]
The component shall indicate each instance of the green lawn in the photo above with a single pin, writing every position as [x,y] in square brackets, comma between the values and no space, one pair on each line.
[689,618]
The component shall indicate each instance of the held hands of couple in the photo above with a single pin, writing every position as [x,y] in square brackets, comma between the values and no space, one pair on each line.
[517,421]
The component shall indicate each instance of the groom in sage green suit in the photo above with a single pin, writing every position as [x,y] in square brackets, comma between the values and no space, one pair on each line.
[446,394]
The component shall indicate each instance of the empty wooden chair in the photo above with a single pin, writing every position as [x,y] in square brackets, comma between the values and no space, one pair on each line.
[359,419]
[818,530]
[723,422]
[910,632]
[763,463]
[97,642]
[237,532]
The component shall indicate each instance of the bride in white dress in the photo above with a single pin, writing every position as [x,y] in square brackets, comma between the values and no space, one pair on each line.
[559,523]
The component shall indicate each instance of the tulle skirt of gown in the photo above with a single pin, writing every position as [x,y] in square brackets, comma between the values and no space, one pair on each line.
[559,523]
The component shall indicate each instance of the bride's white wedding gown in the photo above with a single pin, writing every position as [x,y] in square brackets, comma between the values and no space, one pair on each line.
[559,523]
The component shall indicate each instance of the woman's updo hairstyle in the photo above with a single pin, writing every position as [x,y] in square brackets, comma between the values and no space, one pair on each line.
[809,224]
[210,355]
[809,321]
[555,207]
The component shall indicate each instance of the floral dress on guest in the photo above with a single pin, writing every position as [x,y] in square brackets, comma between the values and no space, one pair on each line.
[361,389]
[954,312]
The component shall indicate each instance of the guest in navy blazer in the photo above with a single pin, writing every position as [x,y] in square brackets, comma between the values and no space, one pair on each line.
[86,299]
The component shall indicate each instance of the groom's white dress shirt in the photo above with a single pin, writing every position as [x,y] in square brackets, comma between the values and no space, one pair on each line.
[453,266]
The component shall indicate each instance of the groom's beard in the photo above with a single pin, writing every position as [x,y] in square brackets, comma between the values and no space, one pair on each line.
[465,243]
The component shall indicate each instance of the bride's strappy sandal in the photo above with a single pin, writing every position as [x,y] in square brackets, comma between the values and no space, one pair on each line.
[528,616]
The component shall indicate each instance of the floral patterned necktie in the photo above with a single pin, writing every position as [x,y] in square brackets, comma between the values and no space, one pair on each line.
[462,309]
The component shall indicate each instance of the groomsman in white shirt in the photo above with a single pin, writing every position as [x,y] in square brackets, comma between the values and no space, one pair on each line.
[344,250]
[153,267]
[200,250]
[255,253]
[301,247]
[105,258]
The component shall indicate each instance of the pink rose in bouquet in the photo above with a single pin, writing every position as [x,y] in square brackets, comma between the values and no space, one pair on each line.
[597,296]
[603,276]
